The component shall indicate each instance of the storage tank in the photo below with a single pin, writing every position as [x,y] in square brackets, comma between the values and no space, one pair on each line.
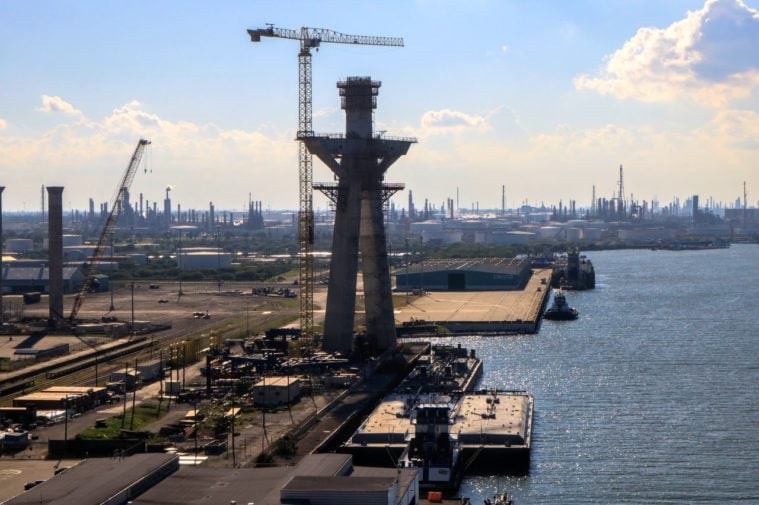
[19,245]
[574,234]
[577,223]
[69,240]
[548,232]
[593,233]
[209,259]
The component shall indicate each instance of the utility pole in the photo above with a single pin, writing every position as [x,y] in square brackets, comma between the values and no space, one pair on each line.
[234,453]
[66,426]
[132,309]
[110,284]
[179,264]
[126,379]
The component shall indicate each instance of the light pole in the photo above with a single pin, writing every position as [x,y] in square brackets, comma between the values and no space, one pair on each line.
[218,253]
[408,279]
[132,309]
[421,262]
[184,362]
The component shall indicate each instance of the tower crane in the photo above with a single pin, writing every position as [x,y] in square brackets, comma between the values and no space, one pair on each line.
[310,38]
[110,223]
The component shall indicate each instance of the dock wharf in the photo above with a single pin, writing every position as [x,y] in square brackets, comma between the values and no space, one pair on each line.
[480,312]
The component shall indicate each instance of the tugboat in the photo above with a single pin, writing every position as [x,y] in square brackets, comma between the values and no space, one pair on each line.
[574,273]
[432,449]
[560,310]
[502,499]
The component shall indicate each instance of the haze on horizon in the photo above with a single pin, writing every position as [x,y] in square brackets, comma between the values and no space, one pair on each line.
[547,98]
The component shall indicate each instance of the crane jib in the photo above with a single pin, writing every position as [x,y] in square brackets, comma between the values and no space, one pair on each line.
[313,37]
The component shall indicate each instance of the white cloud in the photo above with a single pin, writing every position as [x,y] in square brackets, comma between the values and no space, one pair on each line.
[57,104]
[3,124]
[710,56]
[202,161]
[504,48]
[325,112]
[739,128]
[451,120]
[564,163]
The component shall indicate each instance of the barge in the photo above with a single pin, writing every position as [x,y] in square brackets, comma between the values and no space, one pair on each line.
[436,421]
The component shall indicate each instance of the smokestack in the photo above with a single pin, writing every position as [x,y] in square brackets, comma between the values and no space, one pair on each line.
[55,244]
[503,200]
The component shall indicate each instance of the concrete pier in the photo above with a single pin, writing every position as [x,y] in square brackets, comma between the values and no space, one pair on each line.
[484,312]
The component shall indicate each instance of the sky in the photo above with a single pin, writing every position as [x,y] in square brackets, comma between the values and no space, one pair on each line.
[546,98]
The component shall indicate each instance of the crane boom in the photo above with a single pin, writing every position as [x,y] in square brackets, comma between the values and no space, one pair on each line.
[108,227]
[310,38]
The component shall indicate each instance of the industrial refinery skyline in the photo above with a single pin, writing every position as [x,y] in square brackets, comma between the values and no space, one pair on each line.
[546,98]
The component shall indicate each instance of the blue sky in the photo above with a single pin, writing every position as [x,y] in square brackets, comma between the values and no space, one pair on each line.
[544,97]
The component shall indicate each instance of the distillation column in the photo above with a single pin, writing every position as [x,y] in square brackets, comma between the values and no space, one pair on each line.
[359,159]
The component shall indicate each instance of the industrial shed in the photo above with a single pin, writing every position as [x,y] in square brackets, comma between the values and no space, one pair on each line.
[22,279]
[274,391]
[481,274]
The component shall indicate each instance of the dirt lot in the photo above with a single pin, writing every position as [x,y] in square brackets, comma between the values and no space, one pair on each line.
[233,311]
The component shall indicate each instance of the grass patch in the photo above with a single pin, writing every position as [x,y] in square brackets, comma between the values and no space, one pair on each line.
[143,415]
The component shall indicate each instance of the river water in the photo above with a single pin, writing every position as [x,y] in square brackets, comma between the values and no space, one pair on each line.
[651,396]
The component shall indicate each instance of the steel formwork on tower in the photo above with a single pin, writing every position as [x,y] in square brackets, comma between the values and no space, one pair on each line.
[359,159]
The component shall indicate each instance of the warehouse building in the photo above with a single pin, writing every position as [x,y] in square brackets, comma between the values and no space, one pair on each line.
[481,274]
[102,481]
[318,479]
[23,279]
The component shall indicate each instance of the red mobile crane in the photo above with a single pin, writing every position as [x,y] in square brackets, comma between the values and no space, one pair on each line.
[110,223]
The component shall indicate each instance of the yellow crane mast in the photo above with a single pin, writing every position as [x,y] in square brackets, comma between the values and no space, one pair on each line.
[310,38]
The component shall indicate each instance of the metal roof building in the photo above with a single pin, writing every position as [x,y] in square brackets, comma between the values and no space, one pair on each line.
[480,274]
[319,479]
[101,481]
[21,279]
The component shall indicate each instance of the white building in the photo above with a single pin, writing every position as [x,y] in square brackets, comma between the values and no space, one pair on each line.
[273,391]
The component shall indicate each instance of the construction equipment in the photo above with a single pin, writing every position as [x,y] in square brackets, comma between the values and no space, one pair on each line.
[116,203]
[310,38]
